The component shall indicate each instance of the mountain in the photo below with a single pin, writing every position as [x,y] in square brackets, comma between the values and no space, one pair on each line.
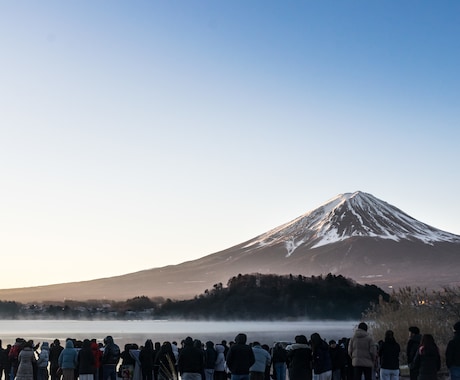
[355,234]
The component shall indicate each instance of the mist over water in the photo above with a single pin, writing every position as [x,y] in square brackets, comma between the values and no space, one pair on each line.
[138,331]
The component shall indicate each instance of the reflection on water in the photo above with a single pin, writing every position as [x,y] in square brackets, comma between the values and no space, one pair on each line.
[138,331]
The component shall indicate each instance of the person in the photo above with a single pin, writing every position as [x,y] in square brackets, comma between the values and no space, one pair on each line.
[240,358]
[322,364]
[55,351]
[453,354]
[26,362]
[42,362]
[299,358]
[191,361]
[427,359]
[86,362]
[165,360]
[411,350]
[262,361]
[363,353]
[389,357]
[147,359]
[110,359]
[156,367]
[210,356]
[97,355]
[338,359]
[220,365]
[4,362]
[13,355]
[279,359]
[68,360]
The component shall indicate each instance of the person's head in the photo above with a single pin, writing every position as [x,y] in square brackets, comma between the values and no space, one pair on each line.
[332,343]
[362,326]
[414,330]
[301,339]
[316,340]
[241,338]
[148,344]
[427,341]
[188,342]
[389,336]
[457,327]
[108,340]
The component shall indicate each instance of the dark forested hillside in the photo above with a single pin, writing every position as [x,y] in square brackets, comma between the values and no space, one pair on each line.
[258,296]
[251,296]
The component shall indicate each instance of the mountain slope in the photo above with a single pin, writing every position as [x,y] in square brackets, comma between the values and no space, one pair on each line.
[353,234]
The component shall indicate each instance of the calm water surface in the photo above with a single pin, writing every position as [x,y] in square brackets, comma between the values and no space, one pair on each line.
[138,331]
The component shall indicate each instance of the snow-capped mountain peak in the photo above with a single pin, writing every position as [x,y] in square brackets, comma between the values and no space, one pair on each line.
[349,215]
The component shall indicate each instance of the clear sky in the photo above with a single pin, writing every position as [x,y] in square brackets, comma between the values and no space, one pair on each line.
[137,134]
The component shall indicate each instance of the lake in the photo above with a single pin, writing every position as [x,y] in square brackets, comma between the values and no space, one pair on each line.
[161,330]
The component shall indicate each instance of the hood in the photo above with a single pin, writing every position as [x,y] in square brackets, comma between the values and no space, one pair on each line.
[359,333]
[188,341]
[219,348]
[69,344]
[241,339]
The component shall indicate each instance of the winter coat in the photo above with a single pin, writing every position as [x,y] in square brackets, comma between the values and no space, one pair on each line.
[240,356]
[55,352]
[362,349]
[111,354]
[147,358]
[44,356]
[97,354]
[220,360]
[299,358]
[279,354]
[85,359]
[68,356]
[453,351]
[389,355]
[210,356]
[321,359]
[427,362]
[191,358]
[26,359]
[338,357]
[262,359]
[412,347]
[165,361]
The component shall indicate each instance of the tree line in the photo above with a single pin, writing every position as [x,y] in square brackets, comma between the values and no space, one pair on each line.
[249,296]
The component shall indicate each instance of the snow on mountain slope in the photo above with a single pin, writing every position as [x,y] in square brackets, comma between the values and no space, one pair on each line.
[349,215]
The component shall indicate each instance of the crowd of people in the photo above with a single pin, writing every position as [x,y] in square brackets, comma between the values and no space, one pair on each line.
[355,358]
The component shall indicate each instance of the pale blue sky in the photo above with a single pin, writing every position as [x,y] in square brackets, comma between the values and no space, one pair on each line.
[137,134]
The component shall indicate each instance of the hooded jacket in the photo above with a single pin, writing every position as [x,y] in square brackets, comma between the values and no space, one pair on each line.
[111,354]
[191,358]
[240,356]
[44,356]
[220,361]
[362,349]
[68,356]
[262,357]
